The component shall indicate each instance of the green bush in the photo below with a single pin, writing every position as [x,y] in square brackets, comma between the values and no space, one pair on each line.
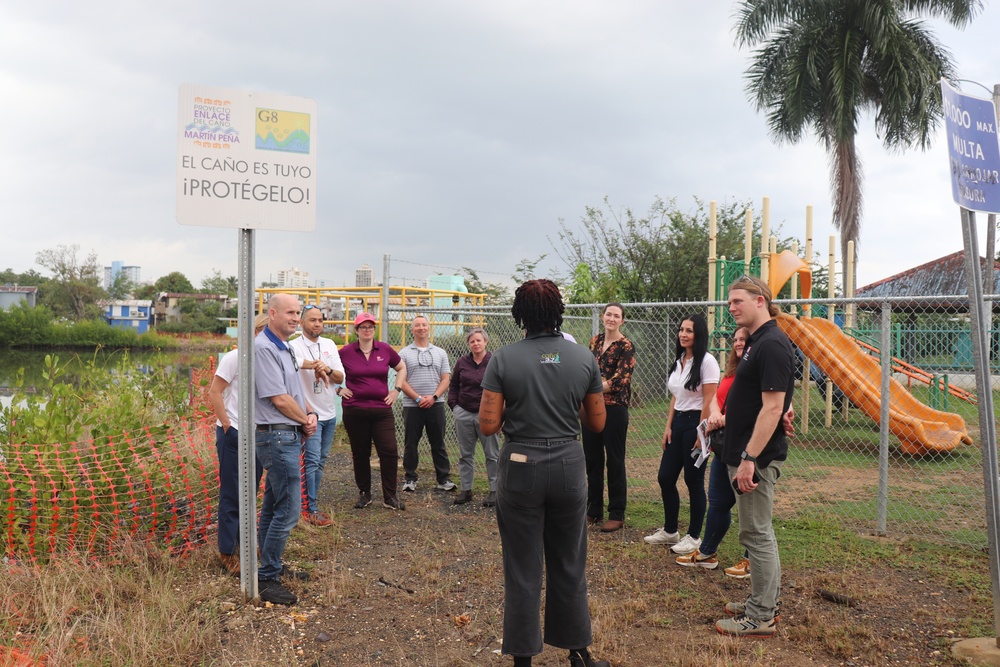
[25,326]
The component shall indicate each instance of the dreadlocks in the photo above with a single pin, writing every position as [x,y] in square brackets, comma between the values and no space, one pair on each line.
[538,306]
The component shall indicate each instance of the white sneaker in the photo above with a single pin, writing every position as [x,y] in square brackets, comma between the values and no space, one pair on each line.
[409,485]
[661,536]
[686,545]
[447,485]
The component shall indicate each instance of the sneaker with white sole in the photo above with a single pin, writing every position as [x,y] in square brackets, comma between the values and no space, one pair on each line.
[393,503]
[739,570]
[744,626]
[686,545]
[698,559]
[446,485]
[737,608]
[410,485]
[661,536]
[364,500]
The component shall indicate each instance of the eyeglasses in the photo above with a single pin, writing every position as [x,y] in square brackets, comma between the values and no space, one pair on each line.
[425,358]
[295,362]
[366,327]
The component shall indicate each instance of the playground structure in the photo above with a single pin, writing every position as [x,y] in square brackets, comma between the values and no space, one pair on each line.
[845,361]
[340,305]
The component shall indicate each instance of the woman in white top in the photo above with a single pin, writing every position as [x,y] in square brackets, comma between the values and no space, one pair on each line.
[692,385]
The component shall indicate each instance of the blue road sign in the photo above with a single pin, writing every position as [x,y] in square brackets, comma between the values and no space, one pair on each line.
[973,150]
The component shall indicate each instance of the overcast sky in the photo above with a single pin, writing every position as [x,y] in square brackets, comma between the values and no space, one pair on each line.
[449,132]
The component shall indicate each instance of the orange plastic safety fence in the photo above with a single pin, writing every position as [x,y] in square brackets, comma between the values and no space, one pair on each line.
[158,484]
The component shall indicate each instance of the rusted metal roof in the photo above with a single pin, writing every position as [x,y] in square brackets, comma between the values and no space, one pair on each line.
[941,277]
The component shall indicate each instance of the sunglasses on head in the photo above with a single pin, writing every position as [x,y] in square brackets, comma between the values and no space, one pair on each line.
[744,279]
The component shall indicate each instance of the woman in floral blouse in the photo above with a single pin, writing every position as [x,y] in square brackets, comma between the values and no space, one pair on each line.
[616,359]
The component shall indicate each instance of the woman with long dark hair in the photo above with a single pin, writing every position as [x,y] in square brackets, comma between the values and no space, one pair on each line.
[692,384]
[721,497]
[534,390]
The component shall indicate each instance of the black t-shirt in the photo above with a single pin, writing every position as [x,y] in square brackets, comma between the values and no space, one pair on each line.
[767,365]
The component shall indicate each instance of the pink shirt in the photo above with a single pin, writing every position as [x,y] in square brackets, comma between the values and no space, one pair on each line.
[368,379]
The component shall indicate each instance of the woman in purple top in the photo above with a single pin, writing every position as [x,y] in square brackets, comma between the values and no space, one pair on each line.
[464,396]
[368,417]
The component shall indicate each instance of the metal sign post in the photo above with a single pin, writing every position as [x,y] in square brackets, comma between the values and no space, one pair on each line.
[247,442]
[974,157]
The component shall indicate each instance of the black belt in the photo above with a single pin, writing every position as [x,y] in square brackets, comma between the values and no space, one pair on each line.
[543,441]
[279,427]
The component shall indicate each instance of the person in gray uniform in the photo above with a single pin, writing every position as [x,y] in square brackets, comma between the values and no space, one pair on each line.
[536,390]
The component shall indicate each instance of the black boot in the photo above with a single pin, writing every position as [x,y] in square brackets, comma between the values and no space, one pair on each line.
[581,658]
[522,661]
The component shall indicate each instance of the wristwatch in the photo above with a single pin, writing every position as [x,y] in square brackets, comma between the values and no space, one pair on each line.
[398,388]
[747,457]
[435,397]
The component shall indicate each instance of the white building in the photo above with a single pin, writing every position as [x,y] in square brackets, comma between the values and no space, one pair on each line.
[111,273]
[364,276]
[293,278]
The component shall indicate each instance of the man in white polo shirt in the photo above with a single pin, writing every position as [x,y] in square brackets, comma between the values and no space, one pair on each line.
[428,375]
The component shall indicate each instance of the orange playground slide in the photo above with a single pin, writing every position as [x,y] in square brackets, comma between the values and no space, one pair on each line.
[920,429]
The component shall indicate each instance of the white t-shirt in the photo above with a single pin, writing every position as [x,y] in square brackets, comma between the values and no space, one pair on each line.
[229,370]
[684,399]
[317,393]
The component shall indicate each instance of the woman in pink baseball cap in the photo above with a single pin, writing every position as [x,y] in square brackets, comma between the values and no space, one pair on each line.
[368,417]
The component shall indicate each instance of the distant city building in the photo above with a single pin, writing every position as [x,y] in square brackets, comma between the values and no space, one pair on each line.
[111,273]
[364,276]
[293,278]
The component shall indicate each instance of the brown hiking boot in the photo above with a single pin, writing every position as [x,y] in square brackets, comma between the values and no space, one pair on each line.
[230,563]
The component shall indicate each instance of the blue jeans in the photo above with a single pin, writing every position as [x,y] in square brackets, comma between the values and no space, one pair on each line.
[721,499]
[317,451]
[278,452]
[227,445]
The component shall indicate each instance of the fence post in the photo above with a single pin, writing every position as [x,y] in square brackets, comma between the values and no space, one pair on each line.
[883,421]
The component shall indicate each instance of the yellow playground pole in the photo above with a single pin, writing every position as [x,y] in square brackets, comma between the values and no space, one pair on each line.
[831,274]
[712,287]
[849,310]
[748,240]
[807,312]
[765,236]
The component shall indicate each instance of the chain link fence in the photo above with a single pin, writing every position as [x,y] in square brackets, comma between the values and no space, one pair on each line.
[891,453]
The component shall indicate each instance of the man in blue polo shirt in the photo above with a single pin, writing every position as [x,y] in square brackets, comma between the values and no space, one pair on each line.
[282,418]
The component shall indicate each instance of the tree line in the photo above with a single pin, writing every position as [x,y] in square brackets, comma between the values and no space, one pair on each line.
[72,291]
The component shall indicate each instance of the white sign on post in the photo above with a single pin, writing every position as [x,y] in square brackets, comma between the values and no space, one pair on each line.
[245,160]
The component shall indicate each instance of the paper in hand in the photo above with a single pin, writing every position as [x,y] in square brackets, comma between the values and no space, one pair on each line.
[703,444]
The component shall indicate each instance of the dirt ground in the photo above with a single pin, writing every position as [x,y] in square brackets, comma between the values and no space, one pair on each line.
[424,587]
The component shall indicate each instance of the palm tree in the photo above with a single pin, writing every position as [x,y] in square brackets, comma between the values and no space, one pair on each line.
[821,64]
